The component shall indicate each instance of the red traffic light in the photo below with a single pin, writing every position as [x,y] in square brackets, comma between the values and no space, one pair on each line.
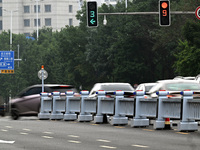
[164,13]
[164,5]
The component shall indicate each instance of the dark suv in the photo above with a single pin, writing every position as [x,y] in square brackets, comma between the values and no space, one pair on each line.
[27,102]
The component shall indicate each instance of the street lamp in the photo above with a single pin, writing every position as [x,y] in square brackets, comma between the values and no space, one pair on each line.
[11,13]
[37,16]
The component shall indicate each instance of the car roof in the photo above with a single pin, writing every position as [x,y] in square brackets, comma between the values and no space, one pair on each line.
[51,85]
[112,83]
[146,84]
[176,81]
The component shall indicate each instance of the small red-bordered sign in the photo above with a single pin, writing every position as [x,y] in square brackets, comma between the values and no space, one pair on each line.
[197,12]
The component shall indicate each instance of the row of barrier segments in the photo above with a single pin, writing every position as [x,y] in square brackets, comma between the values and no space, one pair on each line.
[186,109]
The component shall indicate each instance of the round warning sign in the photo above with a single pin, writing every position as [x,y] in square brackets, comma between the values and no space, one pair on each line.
[197,12]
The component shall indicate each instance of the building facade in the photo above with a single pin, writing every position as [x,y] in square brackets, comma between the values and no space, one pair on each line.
[51,13]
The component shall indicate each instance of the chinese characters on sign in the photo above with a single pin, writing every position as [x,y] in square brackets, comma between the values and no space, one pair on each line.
[6,61]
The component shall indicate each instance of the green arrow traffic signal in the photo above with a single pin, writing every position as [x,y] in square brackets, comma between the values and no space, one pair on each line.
[92,16]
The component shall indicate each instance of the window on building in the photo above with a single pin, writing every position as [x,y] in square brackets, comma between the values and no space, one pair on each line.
[48,22]
[47,8]
[0,11]
[0,1]
[27,22]
[35,22]
[26,9]
[1,27]
[35,8]
[70,22]
[70,9]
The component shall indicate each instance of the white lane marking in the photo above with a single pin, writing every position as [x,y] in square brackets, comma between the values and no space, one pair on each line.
[71,141]
[8,127]
[4,130]
[48,132]
[101,140]
[47,137]
[108,147]
[74,136]
[23,133]
[26,129]
[142,146]
[6,142]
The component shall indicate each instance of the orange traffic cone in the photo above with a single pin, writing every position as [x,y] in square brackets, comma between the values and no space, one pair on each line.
[167,124]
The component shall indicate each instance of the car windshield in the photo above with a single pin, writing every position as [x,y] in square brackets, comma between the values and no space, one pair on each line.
[63,89]
[147,88]
[182,86]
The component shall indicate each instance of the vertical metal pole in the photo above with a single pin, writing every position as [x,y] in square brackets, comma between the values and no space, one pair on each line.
[126,4]
[42,80]
[37,17]
[18,54]
[11,12]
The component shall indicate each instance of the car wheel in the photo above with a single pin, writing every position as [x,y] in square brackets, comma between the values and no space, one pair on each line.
[14,114]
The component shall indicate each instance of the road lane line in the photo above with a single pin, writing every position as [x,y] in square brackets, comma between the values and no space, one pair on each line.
[182,133]
[26,129]
[23,133]
[6,142]
[9,127]
[148,130]
[141,146]
[119,127]
[74,136]
[4,130]
[47,137]
[108,147]
[101,140]
[48,132]
[71,141]
[95,124]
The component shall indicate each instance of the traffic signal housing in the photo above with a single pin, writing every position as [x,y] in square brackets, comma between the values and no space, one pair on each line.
[92,14]
[164,13]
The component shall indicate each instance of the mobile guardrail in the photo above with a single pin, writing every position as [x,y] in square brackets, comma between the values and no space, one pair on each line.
[46,106]
[144,109]
[88,106]
[123,107]
[105,105]
[167,108]
[186,109]
[72,106]
[190,112]
[58,106]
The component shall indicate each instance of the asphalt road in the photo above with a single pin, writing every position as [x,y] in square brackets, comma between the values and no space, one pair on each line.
[29,133]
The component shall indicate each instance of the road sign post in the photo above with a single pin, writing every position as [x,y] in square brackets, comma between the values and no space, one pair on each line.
[92,14]
[7,62]
[42,75]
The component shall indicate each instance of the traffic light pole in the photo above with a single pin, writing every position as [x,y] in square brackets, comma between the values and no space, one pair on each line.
[150,13]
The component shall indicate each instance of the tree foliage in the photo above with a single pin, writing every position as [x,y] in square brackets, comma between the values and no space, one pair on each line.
[130,48]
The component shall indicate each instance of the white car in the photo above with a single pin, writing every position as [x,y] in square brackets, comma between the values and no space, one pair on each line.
[111,87]
[145,86]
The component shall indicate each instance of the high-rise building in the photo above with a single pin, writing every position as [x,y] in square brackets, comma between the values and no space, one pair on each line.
[51,13]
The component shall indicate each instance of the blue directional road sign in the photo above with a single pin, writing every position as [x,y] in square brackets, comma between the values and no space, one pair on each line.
[7,61]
